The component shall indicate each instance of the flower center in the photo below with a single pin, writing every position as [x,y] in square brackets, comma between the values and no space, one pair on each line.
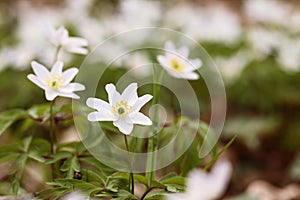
[55,81]
[121,108]
[177,65]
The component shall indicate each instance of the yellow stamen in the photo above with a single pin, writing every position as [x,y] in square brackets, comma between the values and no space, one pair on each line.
[55,81]
[121,108]
[178,65]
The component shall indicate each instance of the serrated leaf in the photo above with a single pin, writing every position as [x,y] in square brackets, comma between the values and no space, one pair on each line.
[9,117]
[59,156]
[42,112]
[125,195]
[155,194]
[35,155]
[173,178]
[15,185]
[70,166]
[92,177]
[26,143]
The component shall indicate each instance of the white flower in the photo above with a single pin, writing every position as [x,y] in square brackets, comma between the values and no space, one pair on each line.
[60,38]
[177,64]
[277,11]
[55,82]
[75,195]
[206,186]
[232,67]
[122,109]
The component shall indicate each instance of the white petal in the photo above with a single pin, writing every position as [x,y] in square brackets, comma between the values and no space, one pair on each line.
[140,118]
[61,35]
[40,71]
[69,74]
[177,197]
[113,95]
[190,76]
[170,46]
[57,68]
[101,116]
[77,50]
[197,63]
[76,45]
[72,87]
[50,94]
[123,126]
[77,41]
[36,81]
[162,60]
[130,94]
[68,95]
[221,174]
[183,51]
[141,101]
[172,72]
[98,104]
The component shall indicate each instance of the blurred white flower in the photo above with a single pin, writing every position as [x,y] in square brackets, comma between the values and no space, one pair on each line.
[264,41]
[212,23]
[75,196]
[122,109]
[177,64]
[60,38]
[136,13]
[55,82]
[137,64]
[289,55]
[206,186]
[231,67]
[269,11]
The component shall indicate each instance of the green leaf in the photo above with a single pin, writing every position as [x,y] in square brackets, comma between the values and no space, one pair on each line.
[66,166]
[26,143]
[59,156]
[92,177]
[173,178]
[75,164]
[155,194]
[70,166]
[35,155]
[41,145]
[215,158]
[42,112]
[9,117]
[15,185]
[20,163]
[137,178]
[125,195]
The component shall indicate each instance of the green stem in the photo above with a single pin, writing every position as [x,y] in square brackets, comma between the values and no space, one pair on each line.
[131,177]
[153,140]
[53,140]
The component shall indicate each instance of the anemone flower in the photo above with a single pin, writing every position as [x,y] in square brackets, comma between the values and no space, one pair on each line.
[176,62]
[123,109]
[55,82]
[206,186]
[61,38]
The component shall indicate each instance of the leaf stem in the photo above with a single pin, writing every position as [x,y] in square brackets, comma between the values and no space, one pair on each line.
[153,140]
[131,177]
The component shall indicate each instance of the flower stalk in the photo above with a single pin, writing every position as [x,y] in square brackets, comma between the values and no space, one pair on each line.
[152,141]
[131,177]
[53,139]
